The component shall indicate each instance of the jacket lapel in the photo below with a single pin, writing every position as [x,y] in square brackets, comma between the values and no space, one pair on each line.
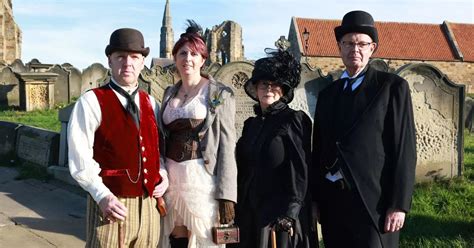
[213,88]
[366,95]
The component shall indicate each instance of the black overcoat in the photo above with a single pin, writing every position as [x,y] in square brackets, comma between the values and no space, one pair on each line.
[273,155]
[378,148]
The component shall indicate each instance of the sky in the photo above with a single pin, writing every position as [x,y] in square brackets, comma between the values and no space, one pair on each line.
[77,31]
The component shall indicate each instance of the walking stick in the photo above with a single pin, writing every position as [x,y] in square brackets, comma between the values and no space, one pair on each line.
[274,239]
[121,231]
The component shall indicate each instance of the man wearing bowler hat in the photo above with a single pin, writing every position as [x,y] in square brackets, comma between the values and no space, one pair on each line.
[364,143]
[114,153]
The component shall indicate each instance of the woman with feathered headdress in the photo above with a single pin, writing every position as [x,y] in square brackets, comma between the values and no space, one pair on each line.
[272,159]
[198,116]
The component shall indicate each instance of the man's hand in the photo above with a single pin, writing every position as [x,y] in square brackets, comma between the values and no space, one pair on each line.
[394,220]
[161,188]
[112,209]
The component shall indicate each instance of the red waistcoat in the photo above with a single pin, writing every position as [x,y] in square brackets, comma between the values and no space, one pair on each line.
[119,145]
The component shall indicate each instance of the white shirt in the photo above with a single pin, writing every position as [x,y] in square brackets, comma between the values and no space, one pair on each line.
[85,119]
[338,175]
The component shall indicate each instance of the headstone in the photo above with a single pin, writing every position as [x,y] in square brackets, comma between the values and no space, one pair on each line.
[235,74]
[61,85]
[37,146]
[9,89]
[75,82]
[469,113]
[8,132]
[63,116]
[93,76]
[37,90]
[306,94]
[159,78]
[18,66]
[438,111]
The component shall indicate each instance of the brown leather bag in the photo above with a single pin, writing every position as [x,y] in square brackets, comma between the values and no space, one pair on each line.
[226,234]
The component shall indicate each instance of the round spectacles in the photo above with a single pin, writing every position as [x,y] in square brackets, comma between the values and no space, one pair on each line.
[263,85]
[360,45]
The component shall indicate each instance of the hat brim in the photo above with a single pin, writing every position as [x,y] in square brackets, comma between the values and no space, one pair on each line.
[371,31]
[110,49]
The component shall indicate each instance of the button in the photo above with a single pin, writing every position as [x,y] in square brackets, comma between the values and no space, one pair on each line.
[145,181]
[144,159]
[143,148]
[206,161]
[145,170]
[141,138]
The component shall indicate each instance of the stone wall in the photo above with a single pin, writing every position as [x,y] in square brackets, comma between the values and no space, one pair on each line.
[458,72]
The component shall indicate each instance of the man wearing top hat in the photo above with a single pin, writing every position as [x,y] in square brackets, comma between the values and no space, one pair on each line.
[114,154]
[364,143]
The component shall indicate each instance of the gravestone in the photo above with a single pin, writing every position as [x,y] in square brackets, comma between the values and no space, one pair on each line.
[93,76]
[159,79]
[8,132]
[18,66]
[63,116]
[235,74]
[306,94]
[61,85]
[9,88]
[37,146]
[438,110]
[37,90]
[75,82]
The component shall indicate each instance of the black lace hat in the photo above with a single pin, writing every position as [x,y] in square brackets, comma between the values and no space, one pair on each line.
[281,68]
[357,21]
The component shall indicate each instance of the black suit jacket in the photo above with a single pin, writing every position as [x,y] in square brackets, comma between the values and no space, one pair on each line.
[379,148]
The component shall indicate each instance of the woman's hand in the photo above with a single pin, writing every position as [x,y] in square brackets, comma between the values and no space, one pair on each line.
[226,211]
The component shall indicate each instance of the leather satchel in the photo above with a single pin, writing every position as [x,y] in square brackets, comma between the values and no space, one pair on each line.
[225,234]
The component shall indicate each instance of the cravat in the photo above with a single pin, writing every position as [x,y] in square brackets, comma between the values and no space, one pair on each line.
[131,107]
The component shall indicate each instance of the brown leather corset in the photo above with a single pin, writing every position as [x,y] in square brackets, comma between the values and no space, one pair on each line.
[183,142]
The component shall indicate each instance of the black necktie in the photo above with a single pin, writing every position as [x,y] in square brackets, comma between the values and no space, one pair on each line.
[131,107]
[351,81]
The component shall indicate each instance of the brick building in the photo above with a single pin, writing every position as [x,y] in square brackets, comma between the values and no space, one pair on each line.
[447,46]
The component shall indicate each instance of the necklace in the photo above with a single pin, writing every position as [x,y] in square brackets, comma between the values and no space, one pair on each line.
[190,93]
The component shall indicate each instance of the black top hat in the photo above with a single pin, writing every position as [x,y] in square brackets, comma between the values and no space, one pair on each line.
[281,68]
[357,22]
[127,39]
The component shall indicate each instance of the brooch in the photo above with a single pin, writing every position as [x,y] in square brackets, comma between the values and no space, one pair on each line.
[215,100]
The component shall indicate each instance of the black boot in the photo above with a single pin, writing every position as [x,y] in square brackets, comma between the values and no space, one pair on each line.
[178,242]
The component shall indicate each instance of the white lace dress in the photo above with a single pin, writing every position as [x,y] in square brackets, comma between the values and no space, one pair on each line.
[190,195]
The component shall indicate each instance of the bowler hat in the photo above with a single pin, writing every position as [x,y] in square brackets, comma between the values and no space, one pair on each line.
[127,39]
[281,68]
[357,22]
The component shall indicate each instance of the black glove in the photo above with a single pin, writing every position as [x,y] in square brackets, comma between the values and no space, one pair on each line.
[226,211]
[284,224]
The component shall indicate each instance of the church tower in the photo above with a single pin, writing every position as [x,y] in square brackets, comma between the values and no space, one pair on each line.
[167,35]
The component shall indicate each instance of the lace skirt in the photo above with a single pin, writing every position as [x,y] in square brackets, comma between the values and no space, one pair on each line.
[190,202]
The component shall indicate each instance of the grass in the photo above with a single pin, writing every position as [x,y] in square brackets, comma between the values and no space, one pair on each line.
[47,119]
[443,211]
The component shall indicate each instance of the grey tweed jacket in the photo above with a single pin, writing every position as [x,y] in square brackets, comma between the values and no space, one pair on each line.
[217,138]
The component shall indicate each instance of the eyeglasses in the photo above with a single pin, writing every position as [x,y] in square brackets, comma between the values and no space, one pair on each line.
[360,45]
[263,85]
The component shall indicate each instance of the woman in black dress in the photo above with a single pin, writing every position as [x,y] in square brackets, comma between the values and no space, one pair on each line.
[272,160]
